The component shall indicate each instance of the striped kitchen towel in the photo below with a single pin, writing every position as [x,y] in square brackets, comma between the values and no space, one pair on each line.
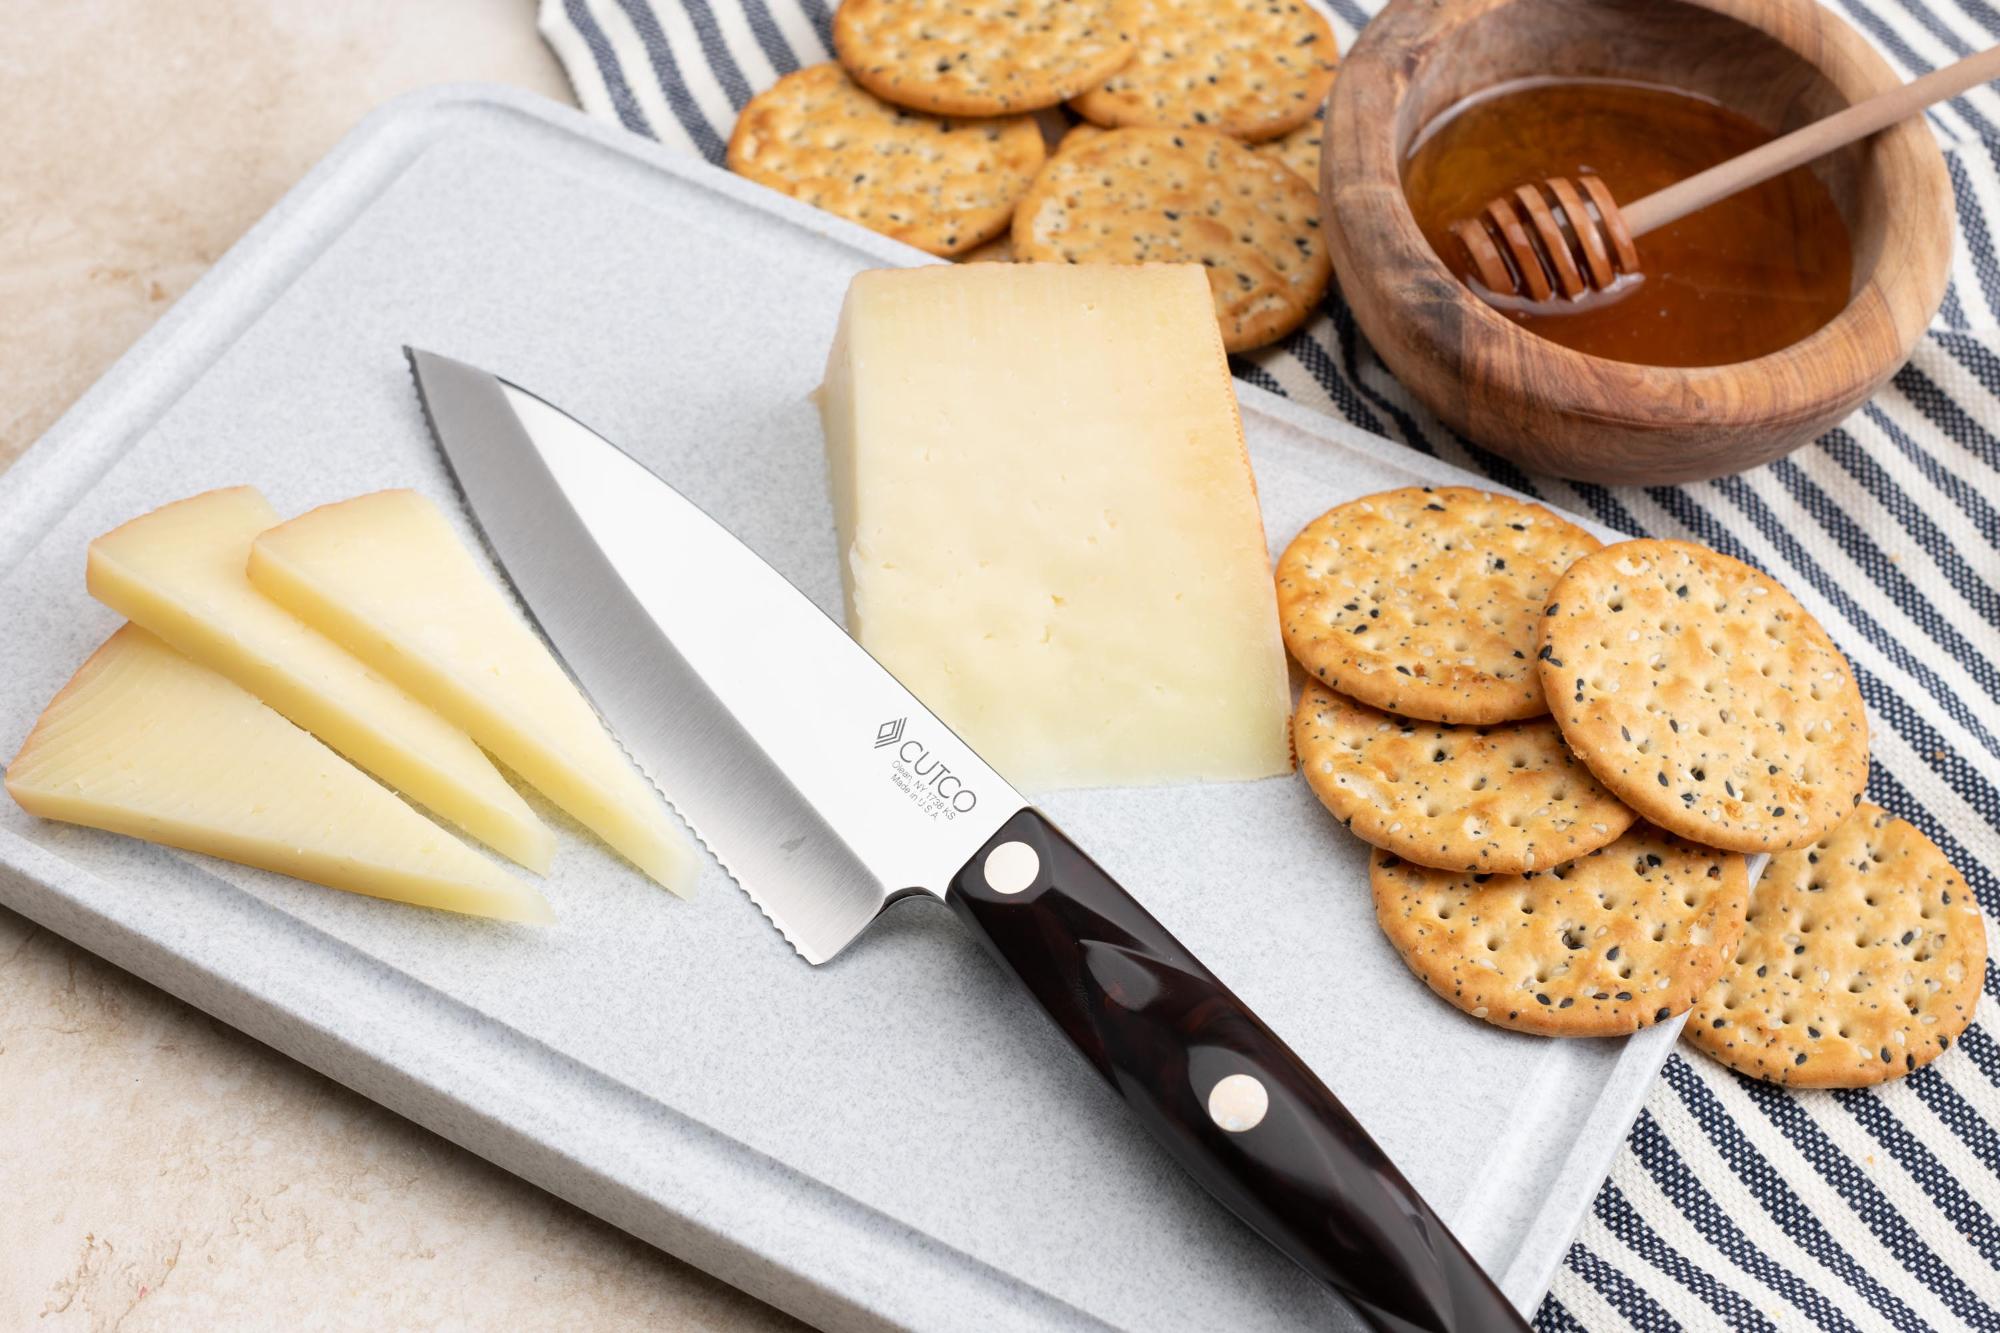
[1734,1203]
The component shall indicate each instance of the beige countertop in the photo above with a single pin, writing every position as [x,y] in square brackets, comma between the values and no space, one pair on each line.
[161,1171]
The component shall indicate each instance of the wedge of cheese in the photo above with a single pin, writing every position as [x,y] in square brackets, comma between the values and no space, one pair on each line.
[385,576]
[1047,523]
[179,573]
[144,742]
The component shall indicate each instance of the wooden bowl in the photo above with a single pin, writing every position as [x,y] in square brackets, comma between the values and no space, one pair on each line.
[1780,62]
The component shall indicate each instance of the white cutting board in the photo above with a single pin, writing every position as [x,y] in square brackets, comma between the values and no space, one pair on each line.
[899,1137]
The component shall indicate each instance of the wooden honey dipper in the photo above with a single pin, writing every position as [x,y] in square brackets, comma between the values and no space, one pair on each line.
[1557,235]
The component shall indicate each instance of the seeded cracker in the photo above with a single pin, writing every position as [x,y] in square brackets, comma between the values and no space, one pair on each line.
[1299,148]
[1424,601]
[1179,196]
[1499,799]
[1077,135]
[1863,960]
[1249,68]
[1702,694]
[982,57]
[999,250]
[1617,940]
[941,185]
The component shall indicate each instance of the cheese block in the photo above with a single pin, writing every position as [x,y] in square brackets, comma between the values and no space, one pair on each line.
[1047,523]
[144,742]
[384,576]
[178,572]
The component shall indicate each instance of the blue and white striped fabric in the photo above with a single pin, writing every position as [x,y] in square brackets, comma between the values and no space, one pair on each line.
[1735,1204]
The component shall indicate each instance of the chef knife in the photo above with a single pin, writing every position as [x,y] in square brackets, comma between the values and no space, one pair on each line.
[828,791]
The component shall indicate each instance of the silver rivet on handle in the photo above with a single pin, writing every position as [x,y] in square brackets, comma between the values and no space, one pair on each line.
[1238,1103]
[1011,867]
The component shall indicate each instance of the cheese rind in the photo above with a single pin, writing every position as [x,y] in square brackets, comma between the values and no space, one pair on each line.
[145,742]
[384,576]
[1047,521]
[179,572]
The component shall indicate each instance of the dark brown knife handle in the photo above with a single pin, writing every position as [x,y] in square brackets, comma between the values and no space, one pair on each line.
[1189,1057]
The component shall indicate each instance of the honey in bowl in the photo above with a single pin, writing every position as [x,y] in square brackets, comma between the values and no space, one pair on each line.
[1742,278]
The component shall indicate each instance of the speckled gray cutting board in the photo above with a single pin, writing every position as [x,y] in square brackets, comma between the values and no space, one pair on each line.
[899,1137]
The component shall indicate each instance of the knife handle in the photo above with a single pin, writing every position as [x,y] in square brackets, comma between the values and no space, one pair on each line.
[1240,1112]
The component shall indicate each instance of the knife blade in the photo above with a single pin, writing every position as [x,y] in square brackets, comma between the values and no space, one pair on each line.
[828,791]
[821,784]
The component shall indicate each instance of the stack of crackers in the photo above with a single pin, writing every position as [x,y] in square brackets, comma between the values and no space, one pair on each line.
[1071,131]
[1566,753]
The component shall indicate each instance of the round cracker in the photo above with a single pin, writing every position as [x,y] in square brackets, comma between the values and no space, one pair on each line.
[1299,148]
[999,250]
[1425,601]
[1863,960]
[982,57]
[1077,135]
[1502,799]
[1249,68]
[1178,196]
[944,186]
[1614,941]
[1701,693]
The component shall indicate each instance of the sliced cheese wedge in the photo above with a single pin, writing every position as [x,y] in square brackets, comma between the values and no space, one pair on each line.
[385,576]
[178,572]
[144,742]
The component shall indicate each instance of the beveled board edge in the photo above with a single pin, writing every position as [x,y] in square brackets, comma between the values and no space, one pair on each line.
[717,1204]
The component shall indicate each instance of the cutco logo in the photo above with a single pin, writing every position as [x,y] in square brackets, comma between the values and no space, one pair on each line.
[927,780]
